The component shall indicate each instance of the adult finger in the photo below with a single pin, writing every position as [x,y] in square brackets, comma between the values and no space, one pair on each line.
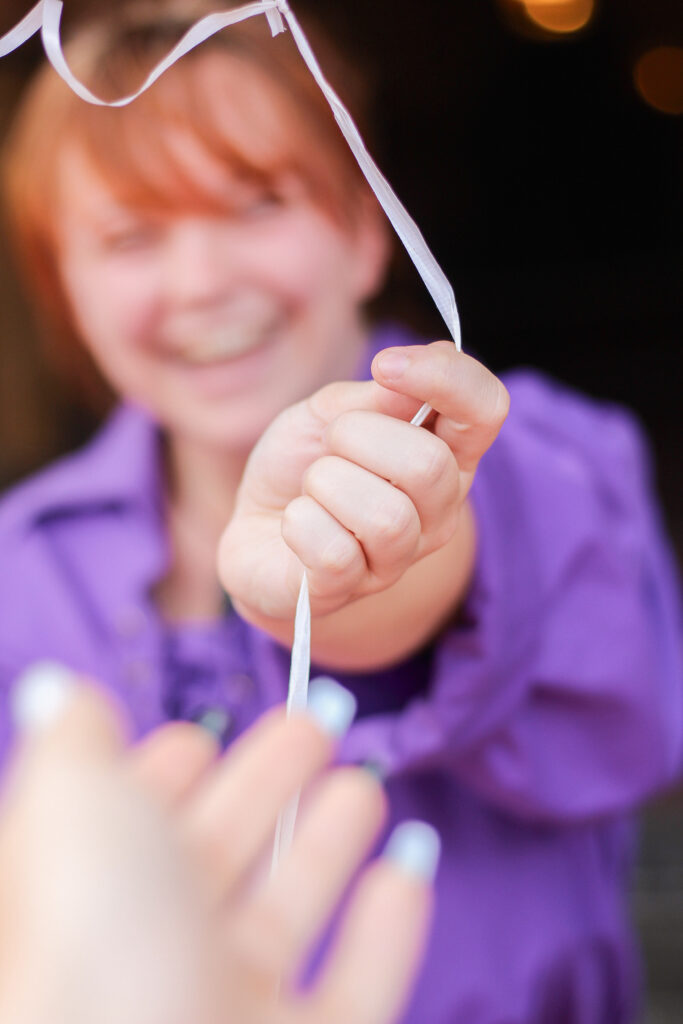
[282,920]
[233,815]
[171,761]
[57,711]
[373,967]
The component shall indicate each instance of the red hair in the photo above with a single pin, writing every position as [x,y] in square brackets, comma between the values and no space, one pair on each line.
[281,123]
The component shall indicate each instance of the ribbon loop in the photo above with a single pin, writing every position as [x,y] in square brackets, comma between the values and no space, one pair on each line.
[46,16]
[27,27]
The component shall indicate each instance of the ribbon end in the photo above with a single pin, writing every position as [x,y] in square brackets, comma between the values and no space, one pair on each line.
[275,21]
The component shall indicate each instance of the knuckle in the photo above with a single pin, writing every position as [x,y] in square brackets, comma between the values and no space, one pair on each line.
[322,400]
[313,476]
[291,517]
[340,555]
[317,475]
[436,464]
[337,431]
[396,521]
[349,434]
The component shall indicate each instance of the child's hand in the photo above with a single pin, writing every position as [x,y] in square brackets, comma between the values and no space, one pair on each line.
[344,484]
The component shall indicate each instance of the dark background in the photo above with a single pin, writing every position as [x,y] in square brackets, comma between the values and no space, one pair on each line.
[550,192]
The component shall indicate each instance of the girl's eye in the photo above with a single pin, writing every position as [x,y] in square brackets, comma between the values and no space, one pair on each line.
[260,206]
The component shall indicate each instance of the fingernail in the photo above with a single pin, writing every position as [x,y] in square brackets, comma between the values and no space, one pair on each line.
[332,707]
[392,363]
[416,848]
[40,694]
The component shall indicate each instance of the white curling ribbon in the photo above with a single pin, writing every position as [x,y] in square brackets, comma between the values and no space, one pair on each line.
[46,17]
[27,27]
[275,21]
[206,27]
[297,699]
[405,227]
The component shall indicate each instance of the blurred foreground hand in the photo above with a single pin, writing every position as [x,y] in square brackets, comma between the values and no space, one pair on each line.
[131,883]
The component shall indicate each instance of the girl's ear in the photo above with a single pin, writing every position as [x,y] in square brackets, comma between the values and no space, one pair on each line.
[372,242]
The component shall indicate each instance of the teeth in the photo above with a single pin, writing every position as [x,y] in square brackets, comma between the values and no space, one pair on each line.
[224,344]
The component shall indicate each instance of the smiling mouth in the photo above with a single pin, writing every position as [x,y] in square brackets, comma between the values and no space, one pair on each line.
[225,343]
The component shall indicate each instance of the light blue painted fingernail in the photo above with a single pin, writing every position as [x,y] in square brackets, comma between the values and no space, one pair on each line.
[416,847]
[332,707]
[40,694]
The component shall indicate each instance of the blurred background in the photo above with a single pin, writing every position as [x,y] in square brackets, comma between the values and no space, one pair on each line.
[539,146]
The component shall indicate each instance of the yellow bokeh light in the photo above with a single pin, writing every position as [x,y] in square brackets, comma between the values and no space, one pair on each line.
[658,76]
[560,16]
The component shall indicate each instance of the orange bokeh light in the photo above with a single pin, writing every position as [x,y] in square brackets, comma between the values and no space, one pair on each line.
[560,16]
[658,75]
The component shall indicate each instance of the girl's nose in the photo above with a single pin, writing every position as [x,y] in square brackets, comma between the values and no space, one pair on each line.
[202,261]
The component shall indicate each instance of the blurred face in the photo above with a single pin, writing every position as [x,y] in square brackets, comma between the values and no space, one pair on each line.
[214,323]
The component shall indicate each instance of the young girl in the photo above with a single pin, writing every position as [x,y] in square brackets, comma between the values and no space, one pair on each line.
[203,258]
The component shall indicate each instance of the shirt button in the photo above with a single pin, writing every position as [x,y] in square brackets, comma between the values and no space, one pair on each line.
[217,721]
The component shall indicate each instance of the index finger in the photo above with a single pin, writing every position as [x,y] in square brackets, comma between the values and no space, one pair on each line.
[456,385]
[234,813]
[171,761]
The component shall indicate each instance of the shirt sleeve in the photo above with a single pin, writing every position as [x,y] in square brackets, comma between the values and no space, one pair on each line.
[557,695]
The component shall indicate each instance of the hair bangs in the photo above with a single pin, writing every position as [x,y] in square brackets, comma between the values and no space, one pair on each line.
[143,152]
[245,102]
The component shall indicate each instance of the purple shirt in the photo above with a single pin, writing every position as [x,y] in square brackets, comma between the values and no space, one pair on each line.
[526,732]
